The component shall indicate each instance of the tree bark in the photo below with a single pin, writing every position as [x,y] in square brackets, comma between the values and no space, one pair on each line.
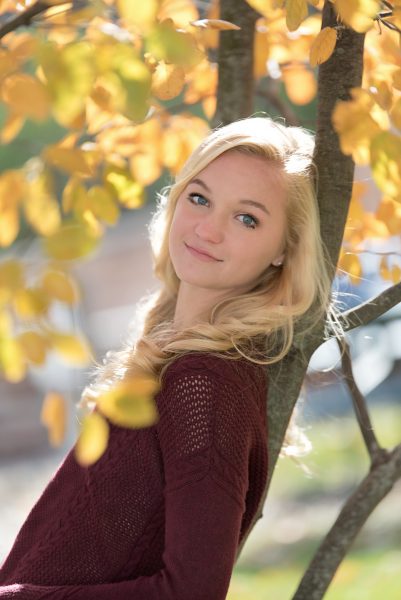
[337,76]
[235,89]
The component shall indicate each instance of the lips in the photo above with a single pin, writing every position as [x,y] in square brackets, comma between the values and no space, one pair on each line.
[202,252]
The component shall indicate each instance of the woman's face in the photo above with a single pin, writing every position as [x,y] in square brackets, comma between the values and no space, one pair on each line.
[233,210]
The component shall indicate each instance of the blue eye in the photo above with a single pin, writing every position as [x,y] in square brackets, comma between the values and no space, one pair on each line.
[253,224]
[194,195]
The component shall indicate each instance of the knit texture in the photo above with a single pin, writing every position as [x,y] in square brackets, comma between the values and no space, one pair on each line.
[161,514]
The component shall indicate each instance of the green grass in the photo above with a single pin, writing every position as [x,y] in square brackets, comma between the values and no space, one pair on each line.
[364,576]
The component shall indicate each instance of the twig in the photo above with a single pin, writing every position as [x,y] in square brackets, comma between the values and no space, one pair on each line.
[272,96]
[359,403]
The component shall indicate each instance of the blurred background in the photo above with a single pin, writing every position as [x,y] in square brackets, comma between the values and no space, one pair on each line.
[307,492]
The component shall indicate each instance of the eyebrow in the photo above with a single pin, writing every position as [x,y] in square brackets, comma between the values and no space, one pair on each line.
[250,202]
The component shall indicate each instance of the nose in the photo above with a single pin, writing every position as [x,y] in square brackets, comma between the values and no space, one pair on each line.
[210,229]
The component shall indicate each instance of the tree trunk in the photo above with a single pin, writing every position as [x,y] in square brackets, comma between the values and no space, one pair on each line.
[235,89]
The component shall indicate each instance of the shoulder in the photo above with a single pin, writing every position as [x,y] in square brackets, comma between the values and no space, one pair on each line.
[212,369]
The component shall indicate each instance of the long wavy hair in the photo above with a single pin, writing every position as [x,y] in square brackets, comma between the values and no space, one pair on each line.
[259,324]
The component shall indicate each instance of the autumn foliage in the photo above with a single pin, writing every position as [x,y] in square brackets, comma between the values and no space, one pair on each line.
[132,85]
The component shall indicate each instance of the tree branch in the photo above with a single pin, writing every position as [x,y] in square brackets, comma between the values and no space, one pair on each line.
[374,449]
[374,487]
[373,308]
[24,18]
[270,94]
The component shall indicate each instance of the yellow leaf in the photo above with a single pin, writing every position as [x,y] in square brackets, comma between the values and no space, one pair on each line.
[395,114]
[58,285]
[12,361]
[70,242]
[70,160]
[173,46]
[128,84]
[265,7]
[297,11]
[92,440]
[261,50]
[145,166]
[9,225]
[383,94]
[167,81]
[7,63]
[74,194]
[102,205]
[358,14]
[300,84]
[12,188]
[40,204]
[129,192]
[397,79]
[323,46]
[217,24]
[138,14]
[202,82]
[130,403]
[396,274]
[385,151]
[54,417]
[22,47]
[11,279]
[182,11]
[26,96]
[180,139]
[6,324]
[389,212]
[209,106]
[30,303]
[351,264]
[70,73]
[11,127]
[73,350]
[34,346]
[357,122]
[384,269]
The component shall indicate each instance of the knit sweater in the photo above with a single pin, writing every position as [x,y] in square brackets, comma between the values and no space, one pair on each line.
[161,514]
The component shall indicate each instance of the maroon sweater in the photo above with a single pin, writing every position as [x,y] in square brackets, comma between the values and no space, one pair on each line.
[161,514]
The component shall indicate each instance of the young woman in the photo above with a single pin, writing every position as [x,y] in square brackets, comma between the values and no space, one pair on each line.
[237,248]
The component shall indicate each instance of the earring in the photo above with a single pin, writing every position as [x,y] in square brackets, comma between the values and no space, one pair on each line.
[278,263]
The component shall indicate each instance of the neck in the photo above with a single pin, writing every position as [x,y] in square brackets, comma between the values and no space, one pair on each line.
[193,306]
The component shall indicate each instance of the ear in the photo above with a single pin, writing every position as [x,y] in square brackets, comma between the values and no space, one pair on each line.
[278,261]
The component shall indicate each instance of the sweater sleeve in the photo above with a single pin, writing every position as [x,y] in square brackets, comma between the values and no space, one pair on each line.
[205,441]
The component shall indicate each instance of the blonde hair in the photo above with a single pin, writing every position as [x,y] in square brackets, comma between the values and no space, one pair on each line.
[259,324]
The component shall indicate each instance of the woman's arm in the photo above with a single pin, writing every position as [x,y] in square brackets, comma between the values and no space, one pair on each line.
[202,528]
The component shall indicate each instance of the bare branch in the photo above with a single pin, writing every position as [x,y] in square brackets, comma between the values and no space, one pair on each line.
[373,308]
[374,487]
[271,94]
[361,411]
